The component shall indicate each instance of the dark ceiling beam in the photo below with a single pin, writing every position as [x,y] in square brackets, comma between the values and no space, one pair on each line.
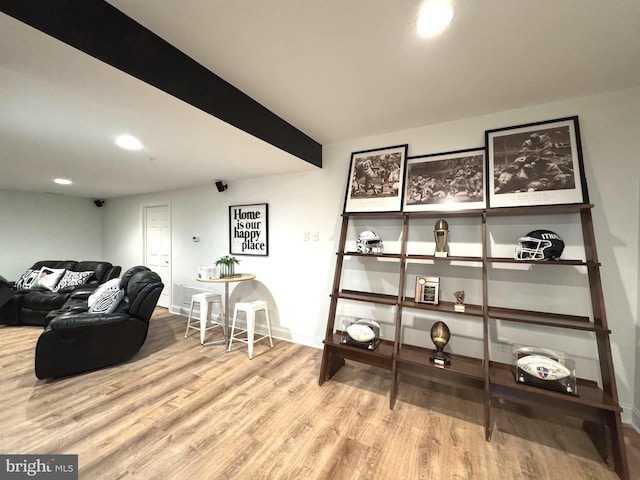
[104,32]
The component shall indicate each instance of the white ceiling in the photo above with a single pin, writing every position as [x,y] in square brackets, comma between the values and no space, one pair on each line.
[335,69]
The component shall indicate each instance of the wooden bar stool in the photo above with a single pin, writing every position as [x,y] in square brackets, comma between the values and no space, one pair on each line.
[250,309]
[205,303]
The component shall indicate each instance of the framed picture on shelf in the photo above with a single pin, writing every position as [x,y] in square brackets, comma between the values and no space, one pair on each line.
[249,229]
[376,180]
[536,164]
[446,181]
[427,290]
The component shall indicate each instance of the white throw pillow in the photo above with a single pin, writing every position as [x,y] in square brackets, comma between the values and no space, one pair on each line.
[107,302]
[113,284]
[26,279]
[48,278]
[72,279]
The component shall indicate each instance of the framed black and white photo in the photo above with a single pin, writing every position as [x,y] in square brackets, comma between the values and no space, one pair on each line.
[249,229]
[376,180]
[446,181]
[536,164]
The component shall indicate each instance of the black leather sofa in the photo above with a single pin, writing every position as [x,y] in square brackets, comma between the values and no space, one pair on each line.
[31,306]
[77,341]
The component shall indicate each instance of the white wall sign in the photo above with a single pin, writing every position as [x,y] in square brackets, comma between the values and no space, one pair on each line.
[249,229]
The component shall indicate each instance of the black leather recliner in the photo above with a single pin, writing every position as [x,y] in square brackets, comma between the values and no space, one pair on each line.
[79,341]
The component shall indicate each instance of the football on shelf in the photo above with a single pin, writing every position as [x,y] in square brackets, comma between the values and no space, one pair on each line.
[360,332]
[543,367]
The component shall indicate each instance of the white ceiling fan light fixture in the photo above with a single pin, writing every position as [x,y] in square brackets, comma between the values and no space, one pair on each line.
[129,142]
[434,17]
[62,181]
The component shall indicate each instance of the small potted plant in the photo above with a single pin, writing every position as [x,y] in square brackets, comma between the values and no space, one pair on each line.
[227,265]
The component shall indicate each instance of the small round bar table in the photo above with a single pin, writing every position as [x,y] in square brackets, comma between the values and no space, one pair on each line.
[238,277]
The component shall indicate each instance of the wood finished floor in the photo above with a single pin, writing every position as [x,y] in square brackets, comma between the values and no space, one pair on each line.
[181,411]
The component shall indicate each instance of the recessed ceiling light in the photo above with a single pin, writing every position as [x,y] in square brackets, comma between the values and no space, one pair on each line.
[129,142]
[63,181]
[435,16]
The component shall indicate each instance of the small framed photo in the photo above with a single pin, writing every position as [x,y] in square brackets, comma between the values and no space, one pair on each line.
[376,180]
[249,229]
[536,164]
[427,290]
[446,181]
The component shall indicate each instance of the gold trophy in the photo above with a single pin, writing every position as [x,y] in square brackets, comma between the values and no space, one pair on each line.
[459,306]
[440,337]
[441,235]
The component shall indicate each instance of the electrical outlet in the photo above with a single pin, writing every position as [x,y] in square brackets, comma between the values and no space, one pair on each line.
[315,236]
[306,236]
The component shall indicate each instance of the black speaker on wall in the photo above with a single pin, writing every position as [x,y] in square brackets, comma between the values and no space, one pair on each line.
[99,203]
[221,186]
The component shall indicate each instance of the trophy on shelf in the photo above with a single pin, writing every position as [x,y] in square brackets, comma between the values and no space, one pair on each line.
[459,306]
[441,235]
[440,337]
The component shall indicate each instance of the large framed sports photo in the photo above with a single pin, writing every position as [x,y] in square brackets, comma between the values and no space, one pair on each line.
[445,181]
[536,164]
[376,179]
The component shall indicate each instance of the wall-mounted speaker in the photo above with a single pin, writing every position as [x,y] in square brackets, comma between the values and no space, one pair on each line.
[99,203]
[221,186]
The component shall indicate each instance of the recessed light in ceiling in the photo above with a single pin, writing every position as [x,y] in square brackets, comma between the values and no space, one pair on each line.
[63,181]
[129,142]
[435,16]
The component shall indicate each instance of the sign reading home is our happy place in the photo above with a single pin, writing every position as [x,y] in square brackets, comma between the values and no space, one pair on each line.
[249,229]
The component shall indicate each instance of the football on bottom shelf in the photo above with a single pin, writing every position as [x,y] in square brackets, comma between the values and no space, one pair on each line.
[544,368]
[361,333]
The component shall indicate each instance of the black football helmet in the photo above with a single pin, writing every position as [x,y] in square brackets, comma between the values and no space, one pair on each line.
[539,245]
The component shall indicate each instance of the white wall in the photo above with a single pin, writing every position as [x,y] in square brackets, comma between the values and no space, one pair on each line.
[41,226]
[298,274]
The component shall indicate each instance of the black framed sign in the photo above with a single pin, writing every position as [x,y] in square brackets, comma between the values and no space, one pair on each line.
[249,229]
[445,181]
[376,180]
[536,164]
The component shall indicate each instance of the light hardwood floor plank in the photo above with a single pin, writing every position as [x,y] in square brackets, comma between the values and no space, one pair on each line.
[180,410]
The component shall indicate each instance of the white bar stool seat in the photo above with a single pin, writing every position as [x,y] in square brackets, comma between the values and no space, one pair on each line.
[250,309]
[205,303]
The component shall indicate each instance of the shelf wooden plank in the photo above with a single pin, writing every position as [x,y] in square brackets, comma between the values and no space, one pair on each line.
[573,322]
[380,357]
[444,259]
[477,212]
[538,209]
[370,255]
[460,365]
[368,297]
[503,385]
[538,262]
[443,307]
[374,215]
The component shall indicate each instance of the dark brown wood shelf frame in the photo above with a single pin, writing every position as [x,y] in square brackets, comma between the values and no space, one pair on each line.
[598,406]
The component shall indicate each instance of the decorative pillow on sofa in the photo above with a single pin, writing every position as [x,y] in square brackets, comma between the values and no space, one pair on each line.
[72,279]
[106,298]
[27,279]
[48,278]
[107,302]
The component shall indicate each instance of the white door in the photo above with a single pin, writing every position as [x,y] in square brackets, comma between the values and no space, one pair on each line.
[157,220]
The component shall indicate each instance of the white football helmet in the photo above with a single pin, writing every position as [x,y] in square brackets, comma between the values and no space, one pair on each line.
[539,245]
[369,242]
